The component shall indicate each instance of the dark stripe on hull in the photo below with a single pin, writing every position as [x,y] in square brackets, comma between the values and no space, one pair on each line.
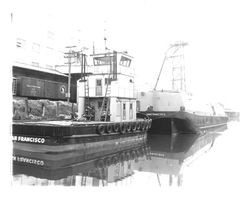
[98,143]
[184,122]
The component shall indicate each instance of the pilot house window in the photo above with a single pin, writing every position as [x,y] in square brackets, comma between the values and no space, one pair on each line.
[125,61]
[105,60]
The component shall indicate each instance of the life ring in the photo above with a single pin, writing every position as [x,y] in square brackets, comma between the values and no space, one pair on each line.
[100,163]
[133,155]
[144,150]
[129,127]
[147,150]
[122,157]
[100,129]
[141,153]
[116,128]
[143,126]
[137,152]
[146,124]
[108,128]
[62,89]
[127,154]
[114,160]
[122,128]
[138,125]
[149,123]
[107,161]
[133,126]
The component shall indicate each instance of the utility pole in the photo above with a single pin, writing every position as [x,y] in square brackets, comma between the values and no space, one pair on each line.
[83,93]
[69,55]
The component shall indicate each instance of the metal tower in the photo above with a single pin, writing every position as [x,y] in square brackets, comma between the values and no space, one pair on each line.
[175,53]
[178,67]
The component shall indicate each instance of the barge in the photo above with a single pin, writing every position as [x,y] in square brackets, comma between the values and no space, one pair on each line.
[106,109]
[176,110]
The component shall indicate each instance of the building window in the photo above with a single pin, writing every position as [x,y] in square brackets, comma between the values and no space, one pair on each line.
[125,61]
[20,43]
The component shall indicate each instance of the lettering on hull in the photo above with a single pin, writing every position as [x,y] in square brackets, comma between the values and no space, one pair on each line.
[29,139]
[28,160]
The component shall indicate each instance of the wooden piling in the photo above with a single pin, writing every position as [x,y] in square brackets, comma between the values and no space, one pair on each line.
[43,108]
[57,108]
[26,107]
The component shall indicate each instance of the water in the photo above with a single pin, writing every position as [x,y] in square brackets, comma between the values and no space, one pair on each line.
[215,159]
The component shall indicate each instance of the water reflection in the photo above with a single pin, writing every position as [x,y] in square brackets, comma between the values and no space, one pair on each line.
[164,157]
[170,155]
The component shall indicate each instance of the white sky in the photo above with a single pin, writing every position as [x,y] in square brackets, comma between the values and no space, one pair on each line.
[216,31]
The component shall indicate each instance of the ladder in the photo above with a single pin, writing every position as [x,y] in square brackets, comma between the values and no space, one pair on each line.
[106,99]
[14,86]
[86,93]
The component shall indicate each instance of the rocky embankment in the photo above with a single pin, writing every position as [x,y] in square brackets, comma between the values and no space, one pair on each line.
[42,110]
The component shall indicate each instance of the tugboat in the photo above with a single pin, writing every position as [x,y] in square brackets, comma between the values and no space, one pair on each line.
[106,110]
[176,110]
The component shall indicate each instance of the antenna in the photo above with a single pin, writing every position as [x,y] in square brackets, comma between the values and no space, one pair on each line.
[105,38]
[93,48]
[105,41]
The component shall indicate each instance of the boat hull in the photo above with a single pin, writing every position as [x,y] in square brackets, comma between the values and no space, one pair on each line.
[184,122]
[63,136]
